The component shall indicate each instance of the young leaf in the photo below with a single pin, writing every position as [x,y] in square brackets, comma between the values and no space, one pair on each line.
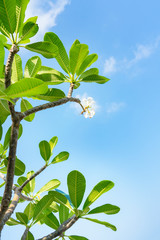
[33,65]
[31,19]
[21,6]
[77,54]
[53,141]
[76,187]
[91,71]
[50,78]
[54,183]
[60,198]
[2,55]
[27,87]
[52,95]
[25,105]
[97,191]
[103,223]
[22,218]
[12,222]
[46,49]
[29,30]
[27,188]
[95,78]
[51,221]
[29,210]
[62,57]
[106,208]
[45,150]
[32,182]
[43,204]
[48,70]
[74,237]
[88,61]
[17,72]
[3,30]
[63,213]
[8,14]
[62,156]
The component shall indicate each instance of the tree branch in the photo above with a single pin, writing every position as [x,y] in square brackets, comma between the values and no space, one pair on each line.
[70,90]
[31,177]
[49,105]
[25,233]
[62,228]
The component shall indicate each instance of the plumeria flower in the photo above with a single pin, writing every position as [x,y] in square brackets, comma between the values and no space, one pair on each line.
[89,107]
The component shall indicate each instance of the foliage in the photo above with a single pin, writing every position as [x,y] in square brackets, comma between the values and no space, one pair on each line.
[49,205]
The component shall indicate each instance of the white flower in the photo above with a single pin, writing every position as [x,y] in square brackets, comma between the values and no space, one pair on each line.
[89,107]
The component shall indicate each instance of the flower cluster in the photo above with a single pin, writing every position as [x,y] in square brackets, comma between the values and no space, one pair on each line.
[89,107]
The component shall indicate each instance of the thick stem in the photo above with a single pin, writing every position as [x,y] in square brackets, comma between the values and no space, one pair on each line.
[25,233]
[62,228]
[10,169]
[70,90]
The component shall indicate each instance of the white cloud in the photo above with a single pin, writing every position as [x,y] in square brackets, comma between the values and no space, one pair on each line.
[110,65]
[47,13]
[114,107]
[141,52]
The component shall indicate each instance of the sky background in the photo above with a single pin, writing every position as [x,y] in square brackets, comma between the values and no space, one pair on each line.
[121,142]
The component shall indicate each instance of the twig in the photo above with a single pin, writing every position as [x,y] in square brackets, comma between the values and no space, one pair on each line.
[25,233]
[49,105]
[62,228]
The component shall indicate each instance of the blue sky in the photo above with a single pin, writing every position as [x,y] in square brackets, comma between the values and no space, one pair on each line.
[121,142]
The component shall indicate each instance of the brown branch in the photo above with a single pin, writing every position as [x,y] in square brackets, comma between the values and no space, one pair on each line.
[70,90]
[49,105]
[31,177]
[62,228]
[25,233]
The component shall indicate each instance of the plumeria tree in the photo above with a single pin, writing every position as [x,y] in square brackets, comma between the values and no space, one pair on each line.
[50,205]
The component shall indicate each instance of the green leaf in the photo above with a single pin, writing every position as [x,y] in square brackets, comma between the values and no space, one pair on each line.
[88,61]
[43,204]
[1,132]
[21,6]
[3,39]
[29,236]
[17,72]
[51,221]
[32,182]
[62,57]
[77,54]
[62,156]
[8,14]
[4,110]
[53,141]
[29,30]
[25,105]
[60,198]
[29,210]
[95,78]
[103,223]
[2,55]
[91,71]
[48,70]
[31,19]
[27,188]
[106,208]
[50,78]
[52,95]
[46,49]
[63,213]
[74,237]
[45,150]
[52,184]
[76,187]
[3,30]
[97,191]
[19,166]
[12,222]
[27,87]
[8,135]
[33,65]
[22,218]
